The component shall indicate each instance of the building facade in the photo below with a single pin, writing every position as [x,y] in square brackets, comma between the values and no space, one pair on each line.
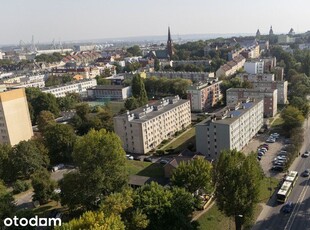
[15,123]
[231,67]
[233,95]
[254,67]
[231,128]
[71,87]
[193,76]
[256,77]
[143,129]
[281,86]
[204,96]
[112,92]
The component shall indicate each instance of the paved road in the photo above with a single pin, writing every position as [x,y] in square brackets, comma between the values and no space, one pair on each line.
[272,218]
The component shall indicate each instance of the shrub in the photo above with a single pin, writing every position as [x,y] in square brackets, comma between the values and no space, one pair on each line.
[20,186]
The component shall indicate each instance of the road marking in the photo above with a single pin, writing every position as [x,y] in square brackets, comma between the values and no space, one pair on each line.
[297,206]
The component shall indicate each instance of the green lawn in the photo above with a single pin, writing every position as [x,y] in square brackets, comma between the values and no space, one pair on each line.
[142,168]
[182,141]
[116,106]
[215,220]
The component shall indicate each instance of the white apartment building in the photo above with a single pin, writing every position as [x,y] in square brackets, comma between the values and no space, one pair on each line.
[231,128]
[233,95]
[143,129]
[204,95]
[254,67]
[71,87]
[112,92]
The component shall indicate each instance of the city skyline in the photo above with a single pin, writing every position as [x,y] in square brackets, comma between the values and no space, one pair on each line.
[73,20]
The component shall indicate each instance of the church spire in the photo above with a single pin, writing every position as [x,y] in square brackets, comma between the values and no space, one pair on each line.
[170,50]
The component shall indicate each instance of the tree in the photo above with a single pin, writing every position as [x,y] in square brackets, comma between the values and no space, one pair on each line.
[131,103]
[59,140]
[292,117]
[45,119]
[27,157]
[193,175]
[6,203]
[43,186]
[122,204]
[93,221]
[134,50]
[5,169]
[82,110]
[165,207]
[69,101]
[101,161]
[237,180]
[138,90]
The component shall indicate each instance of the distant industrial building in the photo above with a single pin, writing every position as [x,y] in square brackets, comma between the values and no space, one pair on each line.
[231,128]
[15,123]
[143,129]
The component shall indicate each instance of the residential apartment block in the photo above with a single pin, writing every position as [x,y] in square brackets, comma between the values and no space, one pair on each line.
[204,95]
[231,128]
[256,77]
[266,82]
[71,87]
[143,129]
[233,95]
[112,92]
[281,86]
[231,67]
[193,76]
[254,67]
[15,123]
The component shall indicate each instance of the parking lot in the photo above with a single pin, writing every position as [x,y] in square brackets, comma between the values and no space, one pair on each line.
[266,160]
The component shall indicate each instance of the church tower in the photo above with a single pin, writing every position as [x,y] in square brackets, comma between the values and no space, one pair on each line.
[170,50]
[257,34]
[271,31]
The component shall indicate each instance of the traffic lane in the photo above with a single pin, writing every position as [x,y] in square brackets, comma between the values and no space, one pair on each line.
[276,219]
[301,214]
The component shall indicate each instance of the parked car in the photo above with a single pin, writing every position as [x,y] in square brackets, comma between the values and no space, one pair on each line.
[263,149]
[270,140]
[129,157]
[288,207]
[164,161]
[149,159]
[260,154]
[279,163]
[277,168]
[306,154]
[306,173]
[275,135]
[259,158]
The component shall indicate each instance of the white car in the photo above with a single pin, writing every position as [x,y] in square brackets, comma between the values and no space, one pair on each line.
[306,154]
[129,157]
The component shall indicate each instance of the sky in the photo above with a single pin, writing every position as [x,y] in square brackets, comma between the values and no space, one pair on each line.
[72,20]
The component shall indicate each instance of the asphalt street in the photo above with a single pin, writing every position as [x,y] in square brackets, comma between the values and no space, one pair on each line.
[272,218]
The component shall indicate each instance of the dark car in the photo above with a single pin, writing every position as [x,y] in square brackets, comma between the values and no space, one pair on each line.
[288,207]
[277,168]
[306,173]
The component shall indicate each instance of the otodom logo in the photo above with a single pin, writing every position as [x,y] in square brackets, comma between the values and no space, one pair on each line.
[34,221]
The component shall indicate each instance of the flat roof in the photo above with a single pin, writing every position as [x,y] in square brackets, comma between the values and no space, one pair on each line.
[230,115]
[109,87]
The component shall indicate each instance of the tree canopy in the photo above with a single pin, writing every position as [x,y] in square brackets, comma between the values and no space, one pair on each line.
[237,180]
[193,175]
[101,161]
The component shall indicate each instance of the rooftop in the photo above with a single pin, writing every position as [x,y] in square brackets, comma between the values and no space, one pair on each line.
[229,114]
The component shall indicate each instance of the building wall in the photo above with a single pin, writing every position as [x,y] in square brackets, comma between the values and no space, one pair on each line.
[281,86]
[214,136]
[73,87]
[110,93]
[204,96]
[193,76]
[15,123]
[141,135]
[256,67]
[270,98]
